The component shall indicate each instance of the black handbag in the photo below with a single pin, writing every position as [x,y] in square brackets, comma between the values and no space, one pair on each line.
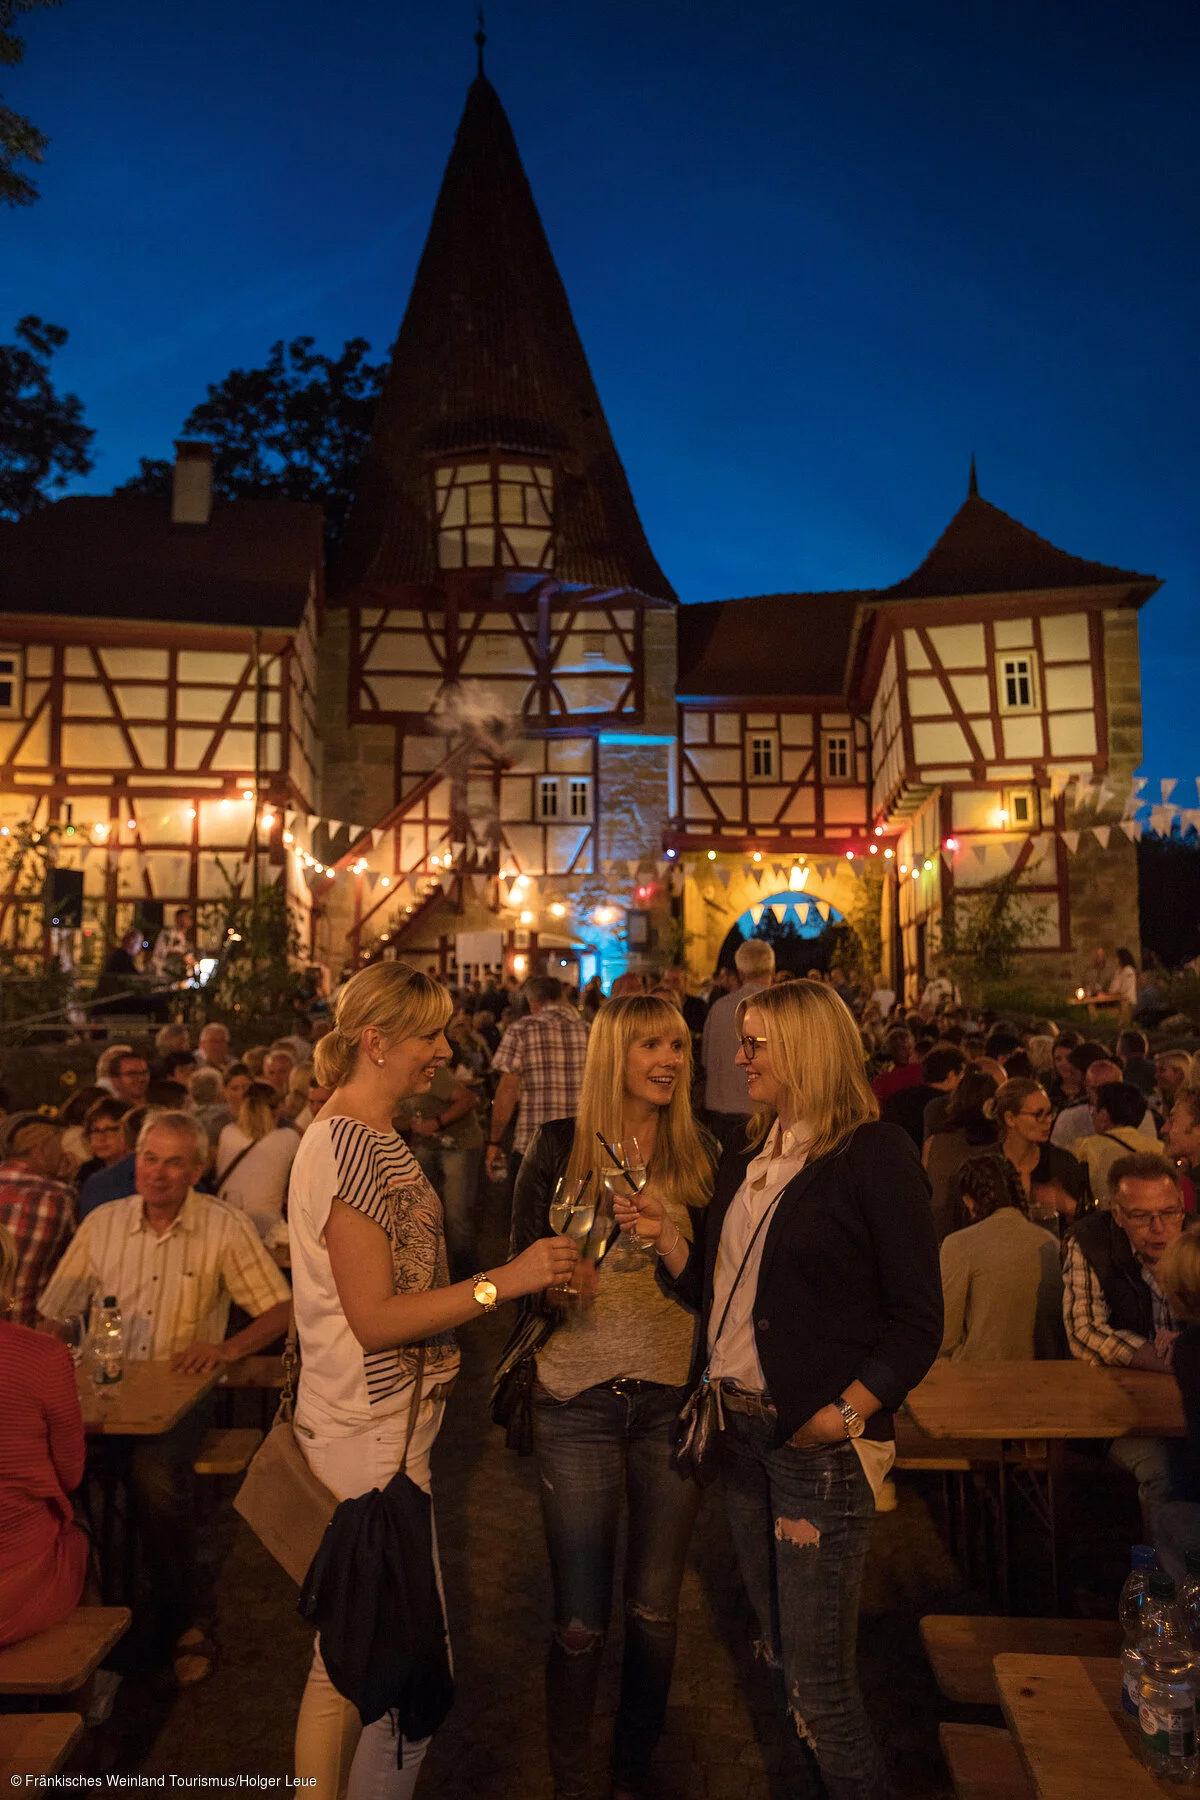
[701,1419]
[512,1385]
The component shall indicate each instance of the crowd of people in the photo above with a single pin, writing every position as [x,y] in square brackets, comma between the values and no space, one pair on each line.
[971,1189]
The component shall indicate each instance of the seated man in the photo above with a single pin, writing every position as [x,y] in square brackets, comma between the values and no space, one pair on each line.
[1117,1112]
[175,1259]
[1114,1310]
[921,1108]
[1076,1121]
[37,1204]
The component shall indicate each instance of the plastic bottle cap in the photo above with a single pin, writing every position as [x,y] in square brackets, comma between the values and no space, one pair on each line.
[1160,1586]
[1143,1557]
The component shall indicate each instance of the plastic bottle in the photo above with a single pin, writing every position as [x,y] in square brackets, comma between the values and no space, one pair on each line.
[1167,1706]
[1187,1602]
[108,1344]
[1129,1612]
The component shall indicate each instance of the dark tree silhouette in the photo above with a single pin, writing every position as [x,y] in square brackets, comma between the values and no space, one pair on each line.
[1169,896]
[43,439]
[296,429]
[19,140]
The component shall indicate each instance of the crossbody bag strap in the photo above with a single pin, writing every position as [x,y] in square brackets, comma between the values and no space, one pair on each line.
[742,1269]
[415,1406]
[240,1157]
[291,1362]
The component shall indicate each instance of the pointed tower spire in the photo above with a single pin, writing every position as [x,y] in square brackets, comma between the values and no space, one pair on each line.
[480,39]
[973,483]
[488,361]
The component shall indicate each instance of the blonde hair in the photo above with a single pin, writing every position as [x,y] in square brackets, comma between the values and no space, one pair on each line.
[398,1001]
[681,1164]
[256,1116]
[1178,1275]
[1010,1097]
[817,1056]
[8,1268]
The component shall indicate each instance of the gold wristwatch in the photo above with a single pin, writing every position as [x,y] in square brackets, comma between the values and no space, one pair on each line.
[485,1293]
[851,1417]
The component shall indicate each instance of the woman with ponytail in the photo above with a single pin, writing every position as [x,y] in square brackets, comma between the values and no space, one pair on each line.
[610,1383]
[374,1306]
[1023,1115]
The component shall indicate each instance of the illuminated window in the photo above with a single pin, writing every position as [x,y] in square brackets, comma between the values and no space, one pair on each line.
[580,797]
[595,646]
[837,756]
[10,684]
[1021,805]
[762,755]
[547,796]
[1017,683]
[494,515]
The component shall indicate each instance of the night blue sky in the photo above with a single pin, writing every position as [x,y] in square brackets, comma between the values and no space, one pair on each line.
[816,254]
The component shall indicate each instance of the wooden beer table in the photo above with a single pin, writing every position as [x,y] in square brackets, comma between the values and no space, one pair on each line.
[1065,1716]
[1015,1403]
[148,1401]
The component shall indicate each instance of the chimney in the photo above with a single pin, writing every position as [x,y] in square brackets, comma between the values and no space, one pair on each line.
[191,492]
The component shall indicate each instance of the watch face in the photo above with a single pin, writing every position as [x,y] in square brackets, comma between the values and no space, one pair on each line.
[485,1293]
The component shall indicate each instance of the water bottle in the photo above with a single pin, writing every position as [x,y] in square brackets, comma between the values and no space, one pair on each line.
[1129,1611]
[1167,1705]
[108,1344]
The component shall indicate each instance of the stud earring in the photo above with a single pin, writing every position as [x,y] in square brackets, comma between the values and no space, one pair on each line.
[379,1061]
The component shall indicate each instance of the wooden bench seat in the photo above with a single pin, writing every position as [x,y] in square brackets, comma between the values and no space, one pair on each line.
[961,1647]
[36,1743]
[60,1660]
[227,1450]
[984,1763]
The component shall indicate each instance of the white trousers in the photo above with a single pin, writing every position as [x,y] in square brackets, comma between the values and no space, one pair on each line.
[350,1761]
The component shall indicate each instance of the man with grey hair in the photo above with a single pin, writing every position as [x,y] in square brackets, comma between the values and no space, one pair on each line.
[174,1259]
[726,1096]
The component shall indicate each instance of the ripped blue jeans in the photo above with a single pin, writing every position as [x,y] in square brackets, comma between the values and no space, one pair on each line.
[593,1452]
[800,1521]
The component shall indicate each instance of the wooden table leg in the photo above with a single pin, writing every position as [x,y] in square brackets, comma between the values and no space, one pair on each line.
[1056,1461]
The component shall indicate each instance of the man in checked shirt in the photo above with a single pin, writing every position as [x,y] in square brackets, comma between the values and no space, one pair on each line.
[1115,1311]
[37,1204]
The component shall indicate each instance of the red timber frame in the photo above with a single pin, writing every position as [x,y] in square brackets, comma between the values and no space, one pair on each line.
[744,834]
[460,611]
[115,796]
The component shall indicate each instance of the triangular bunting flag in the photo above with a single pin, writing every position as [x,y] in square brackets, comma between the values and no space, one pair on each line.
[1010,850]
[631,864]
[1168,785]
[1102,833]
[1105,796]
[446,882]
[372,879]
[1160,820]
[314,819]
[980,851]
[779,911]
[335,825]
[723,876]
[756,912]
[1071,840]
[1133,829]
[660,868]
[802,913]
[823,910]
[1138,783]
[948,858]
[1059,779]
[757,876]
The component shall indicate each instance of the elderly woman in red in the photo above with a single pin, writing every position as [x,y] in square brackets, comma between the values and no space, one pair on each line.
[43,1553]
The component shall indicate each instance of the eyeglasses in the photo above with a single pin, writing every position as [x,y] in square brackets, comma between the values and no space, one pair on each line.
[1152,1218]
[750,1047]
[1042,1112]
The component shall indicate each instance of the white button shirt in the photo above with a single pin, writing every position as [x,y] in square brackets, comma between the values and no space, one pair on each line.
[173,1289]
[734,1356]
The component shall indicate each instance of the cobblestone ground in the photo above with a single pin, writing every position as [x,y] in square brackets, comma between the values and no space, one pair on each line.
[722,1741]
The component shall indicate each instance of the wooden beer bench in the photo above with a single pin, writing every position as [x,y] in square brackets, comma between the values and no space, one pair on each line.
[60,1660]
[961,1648]
[36,1743]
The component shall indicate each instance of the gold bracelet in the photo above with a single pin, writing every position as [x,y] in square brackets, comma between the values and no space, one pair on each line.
[674,1246]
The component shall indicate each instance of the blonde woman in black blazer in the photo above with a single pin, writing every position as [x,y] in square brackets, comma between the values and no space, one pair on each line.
[814,1269]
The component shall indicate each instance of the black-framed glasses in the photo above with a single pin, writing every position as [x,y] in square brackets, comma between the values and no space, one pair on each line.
[750,1046]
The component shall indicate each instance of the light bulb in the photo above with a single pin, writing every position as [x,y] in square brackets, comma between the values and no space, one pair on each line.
[527,918]
[385,881]
[758,856]
[712,856]
[557,910]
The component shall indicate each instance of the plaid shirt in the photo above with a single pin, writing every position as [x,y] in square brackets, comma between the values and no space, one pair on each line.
[546,1051]
[1085,1313]
[40,1213]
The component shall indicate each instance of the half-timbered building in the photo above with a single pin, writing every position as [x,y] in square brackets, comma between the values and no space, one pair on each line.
[500,740]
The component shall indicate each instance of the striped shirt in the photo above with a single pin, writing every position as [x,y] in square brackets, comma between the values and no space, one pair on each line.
[1090,1335]
[546,1050]
[173,1289]
[40,1213]
[343,1386]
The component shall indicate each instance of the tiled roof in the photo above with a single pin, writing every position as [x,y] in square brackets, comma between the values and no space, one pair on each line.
[767,644]
[984,551]
[488,354]
[118,556]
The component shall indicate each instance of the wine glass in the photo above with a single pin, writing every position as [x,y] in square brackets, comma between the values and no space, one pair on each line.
[628,1181]
[572,1212]
[70,1330]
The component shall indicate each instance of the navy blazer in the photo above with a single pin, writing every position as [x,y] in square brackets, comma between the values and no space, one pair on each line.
[849,1286]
